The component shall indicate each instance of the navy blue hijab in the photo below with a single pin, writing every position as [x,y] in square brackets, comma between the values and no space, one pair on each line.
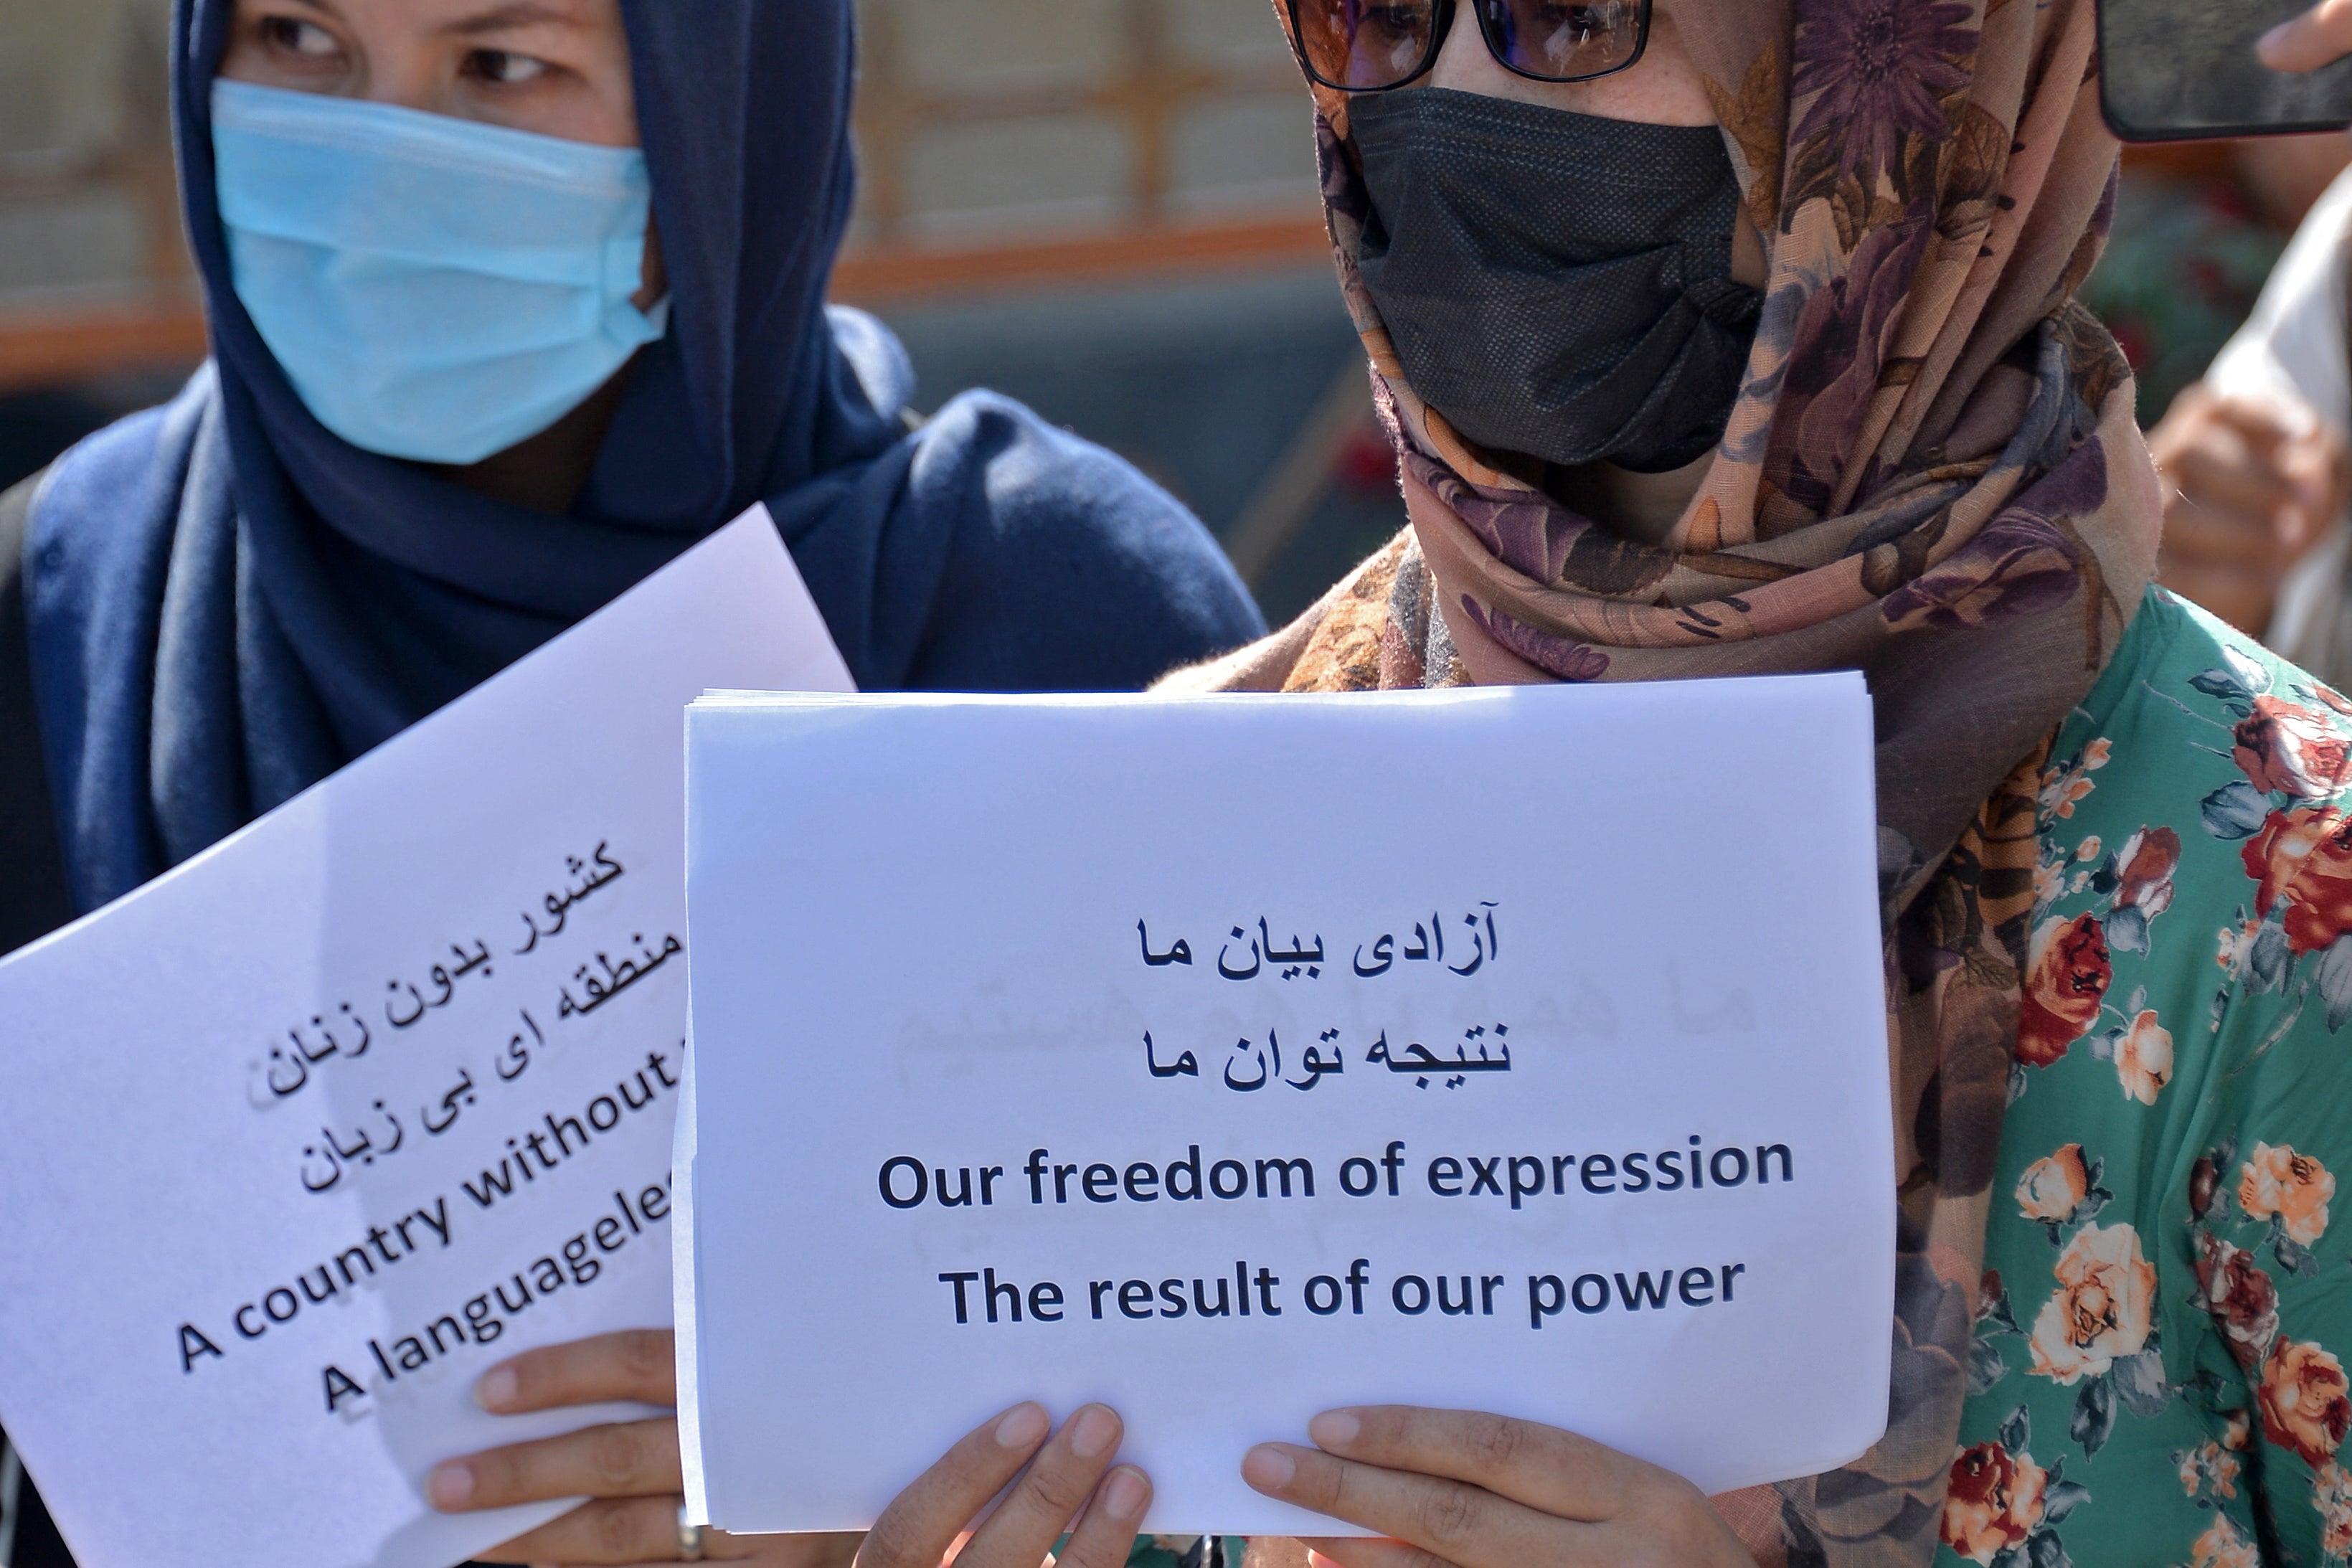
[227,602]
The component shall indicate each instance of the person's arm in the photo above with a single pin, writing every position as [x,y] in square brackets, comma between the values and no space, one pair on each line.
[2250,482]
[2321,36]
[630,1472]
[2252,459]
[1452,1487]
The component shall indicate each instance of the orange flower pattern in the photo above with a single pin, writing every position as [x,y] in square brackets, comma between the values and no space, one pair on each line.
[2143,1057]
[2304,1400]
[2158,1262]
[2224,1545]
[2242,1298]
[2288,749]
[2332,1496]
[2066,977]
[2053,1187]
[2209,1466]
[2101,1307]
[2291,1188]
[2303,860]
[1992,1501]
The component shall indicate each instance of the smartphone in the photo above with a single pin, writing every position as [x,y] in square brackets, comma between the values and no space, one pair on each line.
[2185,70]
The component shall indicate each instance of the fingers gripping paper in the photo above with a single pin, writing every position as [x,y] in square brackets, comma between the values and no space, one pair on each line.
[1168,1052]
[300,1139]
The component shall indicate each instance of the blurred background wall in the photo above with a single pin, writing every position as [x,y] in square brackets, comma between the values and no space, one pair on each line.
[1103,208]
[1106,209]
[96,313]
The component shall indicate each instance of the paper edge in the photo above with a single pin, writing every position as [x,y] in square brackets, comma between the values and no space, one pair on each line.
[682,1277]
[830,674]
[1859,709]
[728,535]
[723,699]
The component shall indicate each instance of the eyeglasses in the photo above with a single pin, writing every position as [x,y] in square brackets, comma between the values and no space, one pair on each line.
[1371,45]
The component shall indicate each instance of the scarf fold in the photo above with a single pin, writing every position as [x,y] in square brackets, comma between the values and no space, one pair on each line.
[1932,474]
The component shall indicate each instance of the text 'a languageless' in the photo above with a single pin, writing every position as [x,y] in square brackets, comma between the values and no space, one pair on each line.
[535,1152]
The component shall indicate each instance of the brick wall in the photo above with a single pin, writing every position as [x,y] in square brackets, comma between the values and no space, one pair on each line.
[984,120]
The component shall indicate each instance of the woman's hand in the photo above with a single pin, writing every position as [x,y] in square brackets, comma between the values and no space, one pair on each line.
[1450,1486]
[937,1519]
[2316,37]
[629,1470]
[2249,485]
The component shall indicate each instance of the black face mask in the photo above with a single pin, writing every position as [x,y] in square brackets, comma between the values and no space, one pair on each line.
[1555,284]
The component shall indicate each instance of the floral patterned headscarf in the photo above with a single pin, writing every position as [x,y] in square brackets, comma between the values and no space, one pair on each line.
[1932,474]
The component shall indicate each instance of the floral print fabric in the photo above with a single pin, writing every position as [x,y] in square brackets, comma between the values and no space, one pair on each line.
[1931,439]
[2154,1372]
[1931,474]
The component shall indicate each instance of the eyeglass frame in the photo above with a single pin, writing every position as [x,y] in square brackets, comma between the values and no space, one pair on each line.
[1440,28]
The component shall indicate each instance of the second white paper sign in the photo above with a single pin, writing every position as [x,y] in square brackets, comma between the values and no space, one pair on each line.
[1228,1059]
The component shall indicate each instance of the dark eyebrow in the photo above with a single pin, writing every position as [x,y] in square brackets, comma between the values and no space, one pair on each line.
[517,13]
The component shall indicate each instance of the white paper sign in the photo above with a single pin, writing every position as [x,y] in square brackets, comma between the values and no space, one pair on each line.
[1232,1058]
[301,1138]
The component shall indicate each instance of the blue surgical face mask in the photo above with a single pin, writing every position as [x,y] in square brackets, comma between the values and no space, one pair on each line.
[435,289]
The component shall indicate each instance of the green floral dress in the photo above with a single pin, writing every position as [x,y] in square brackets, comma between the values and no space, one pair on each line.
[2155,1376]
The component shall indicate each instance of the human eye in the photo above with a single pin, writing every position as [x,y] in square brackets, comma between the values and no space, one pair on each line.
[1563,18]
[1398,24]
[1581,38]
[1584,22]
[293,36]
[504,66]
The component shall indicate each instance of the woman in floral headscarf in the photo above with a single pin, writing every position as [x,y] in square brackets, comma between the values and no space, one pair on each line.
[1741,340]
[2118,1318]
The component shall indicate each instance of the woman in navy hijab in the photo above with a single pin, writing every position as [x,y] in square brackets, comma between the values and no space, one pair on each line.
[228,597]
[511,302]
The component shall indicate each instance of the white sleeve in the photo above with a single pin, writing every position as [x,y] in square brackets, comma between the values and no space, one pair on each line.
[2294,343]
[2294,349]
